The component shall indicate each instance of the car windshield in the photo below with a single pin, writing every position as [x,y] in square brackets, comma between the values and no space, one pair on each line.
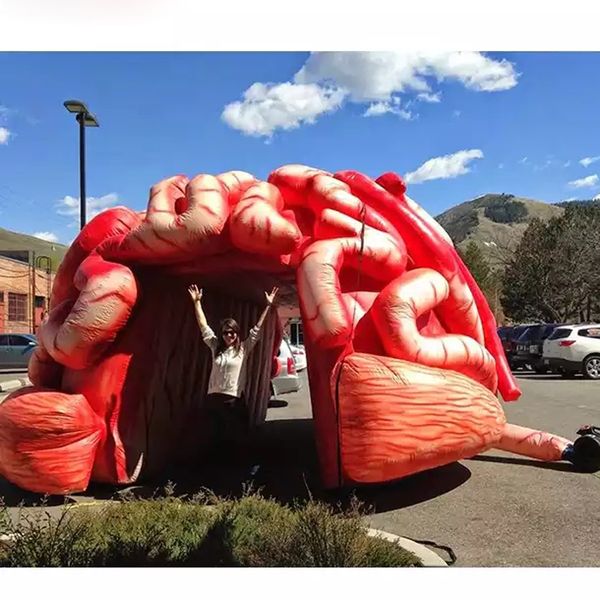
[526,335]
[540,332]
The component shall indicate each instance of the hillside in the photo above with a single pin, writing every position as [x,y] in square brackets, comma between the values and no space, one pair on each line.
[496,222]
[20,242]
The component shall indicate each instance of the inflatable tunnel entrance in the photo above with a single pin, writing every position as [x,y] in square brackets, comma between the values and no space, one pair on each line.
[404,363]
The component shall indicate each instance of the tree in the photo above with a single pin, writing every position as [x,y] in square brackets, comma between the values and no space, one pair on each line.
[554,274]
[488,279]
[506,211]
[475,260]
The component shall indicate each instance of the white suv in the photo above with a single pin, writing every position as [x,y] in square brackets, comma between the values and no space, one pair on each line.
[574,349]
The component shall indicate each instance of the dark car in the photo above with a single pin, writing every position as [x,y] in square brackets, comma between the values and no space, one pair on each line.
[509,337]
[504,335]
[530,346]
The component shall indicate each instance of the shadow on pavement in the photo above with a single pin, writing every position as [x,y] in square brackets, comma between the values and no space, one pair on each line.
[509,460]
[13,496]
[286,453]
[415,489]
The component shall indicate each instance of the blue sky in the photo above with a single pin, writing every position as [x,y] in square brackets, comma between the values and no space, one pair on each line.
[458,125]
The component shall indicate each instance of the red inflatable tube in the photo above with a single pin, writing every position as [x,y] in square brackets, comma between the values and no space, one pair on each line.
[426,250]
[507,385]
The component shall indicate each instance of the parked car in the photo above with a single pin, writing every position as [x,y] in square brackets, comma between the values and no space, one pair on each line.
[300,357]
[574,349]
[286,378]
[16,350]
[530,347]
[503,334]
[509,337]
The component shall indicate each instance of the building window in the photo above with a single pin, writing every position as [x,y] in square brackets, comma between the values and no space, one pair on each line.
[296,334]
[40,301]
[17,307]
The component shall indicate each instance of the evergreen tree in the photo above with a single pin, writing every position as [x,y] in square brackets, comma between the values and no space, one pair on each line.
[554,274]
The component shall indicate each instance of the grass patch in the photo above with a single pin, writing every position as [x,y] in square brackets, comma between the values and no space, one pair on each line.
[203,531]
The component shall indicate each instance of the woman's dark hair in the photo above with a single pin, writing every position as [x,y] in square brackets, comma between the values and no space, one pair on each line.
[226,325]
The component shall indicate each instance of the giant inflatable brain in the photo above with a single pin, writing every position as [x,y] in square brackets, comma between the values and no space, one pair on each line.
[403,357]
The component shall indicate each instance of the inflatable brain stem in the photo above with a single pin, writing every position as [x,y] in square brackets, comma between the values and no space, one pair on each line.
[403,358]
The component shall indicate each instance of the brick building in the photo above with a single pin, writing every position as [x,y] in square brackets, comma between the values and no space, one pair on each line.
[22,308]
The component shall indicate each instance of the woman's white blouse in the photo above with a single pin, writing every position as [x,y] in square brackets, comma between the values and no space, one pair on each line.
[228,374]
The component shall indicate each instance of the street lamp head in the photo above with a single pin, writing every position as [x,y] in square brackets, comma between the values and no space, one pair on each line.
[75,106]
[80,109]
[89,120]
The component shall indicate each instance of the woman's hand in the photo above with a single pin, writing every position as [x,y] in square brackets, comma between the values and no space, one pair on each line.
[195,293]
[270,297]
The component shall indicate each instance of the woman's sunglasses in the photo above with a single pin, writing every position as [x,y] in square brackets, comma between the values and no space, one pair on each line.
[229,332]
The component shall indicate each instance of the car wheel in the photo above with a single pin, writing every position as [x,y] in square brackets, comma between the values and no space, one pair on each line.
[541,370]
[591,367]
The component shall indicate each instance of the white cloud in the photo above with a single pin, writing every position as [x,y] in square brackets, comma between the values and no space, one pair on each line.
[48,236]
[571,199]
[377,75]
[429,97]
[69,206]
[327,79]
[376,109]
[588,160]
[5,135]
[596,197]
[267,107]
[589,181]
[444,167]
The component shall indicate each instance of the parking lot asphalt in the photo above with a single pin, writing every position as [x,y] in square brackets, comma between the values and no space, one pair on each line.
[498,509]
[495,509]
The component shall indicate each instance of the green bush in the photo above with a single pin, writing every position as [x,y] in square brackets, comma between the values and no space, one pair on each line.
[203,531]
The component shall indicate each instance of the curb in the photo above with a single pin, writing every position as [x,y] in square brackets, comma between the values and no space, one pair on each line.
[14,384]
[428,557]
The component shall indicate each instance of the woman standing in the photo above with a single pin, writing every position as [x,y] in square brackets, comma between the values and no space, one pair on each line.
[226,408]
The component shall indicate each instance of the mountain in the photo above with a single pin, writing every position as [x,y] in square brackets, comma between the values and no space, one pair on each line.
[18,245]
[495,222]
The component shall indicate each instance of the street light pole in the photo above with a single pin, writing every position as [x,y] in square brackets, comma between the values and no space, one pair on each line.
[82,196]
[85,119]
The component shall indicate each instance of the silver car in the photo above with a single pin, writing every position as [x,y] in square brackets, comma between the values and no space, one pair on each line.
[287,379]
[16,350]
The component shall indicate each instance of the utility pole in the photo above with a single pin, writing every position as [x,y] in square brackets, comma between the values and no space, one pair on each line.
[33,291]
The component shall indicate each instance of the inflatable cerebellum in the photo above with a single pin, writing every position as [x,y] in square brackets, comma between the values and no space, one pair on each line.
[404,362]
